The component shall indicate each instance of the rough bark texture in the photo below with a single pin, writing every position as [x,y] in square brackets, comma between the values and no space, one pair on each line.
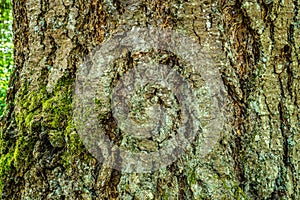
[254,43]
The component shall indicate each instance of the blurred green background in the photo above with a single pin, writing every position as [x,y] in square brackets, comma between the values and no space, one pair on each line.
[6,49]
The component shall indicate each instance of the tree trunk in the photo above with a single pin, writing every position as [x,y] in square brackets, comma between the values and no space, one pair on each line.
[254,46]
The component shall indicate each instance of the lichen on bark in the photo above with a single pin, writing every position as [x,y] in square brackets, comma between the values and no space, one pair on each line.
[255,44]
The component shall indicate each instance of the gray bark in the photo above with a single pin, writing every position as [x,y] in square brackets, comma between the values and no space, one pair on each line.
[255,46]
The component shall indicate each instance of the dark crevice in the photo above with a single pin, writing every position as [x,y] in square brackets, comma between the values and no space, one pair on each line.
[185,191]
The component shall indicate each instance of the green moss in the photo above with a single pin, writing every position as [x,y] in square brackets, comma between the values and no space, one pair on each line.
[36,111]
[17,149]
[192,178]
[58,108]
[16,157]
[39,112]
[22,151]
[239,193]
[5,166]
[74,145]
[28,119]
[56,138]
[5,161]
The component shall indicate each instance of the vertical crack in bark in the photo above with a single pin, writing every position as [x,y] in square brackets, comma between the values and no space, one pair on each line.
[238,86]
[194,30]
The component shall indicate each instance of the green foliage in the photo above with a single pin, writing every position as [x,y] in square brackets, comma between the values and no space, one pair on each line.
[6,49]
[6,65]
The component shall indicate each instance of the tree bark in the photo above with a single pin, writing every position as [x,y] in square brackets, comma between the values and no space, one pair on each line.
[255,46]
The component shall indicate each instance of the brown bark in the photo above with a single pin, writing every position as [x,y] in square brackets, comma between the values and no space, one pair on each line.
[255,44]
